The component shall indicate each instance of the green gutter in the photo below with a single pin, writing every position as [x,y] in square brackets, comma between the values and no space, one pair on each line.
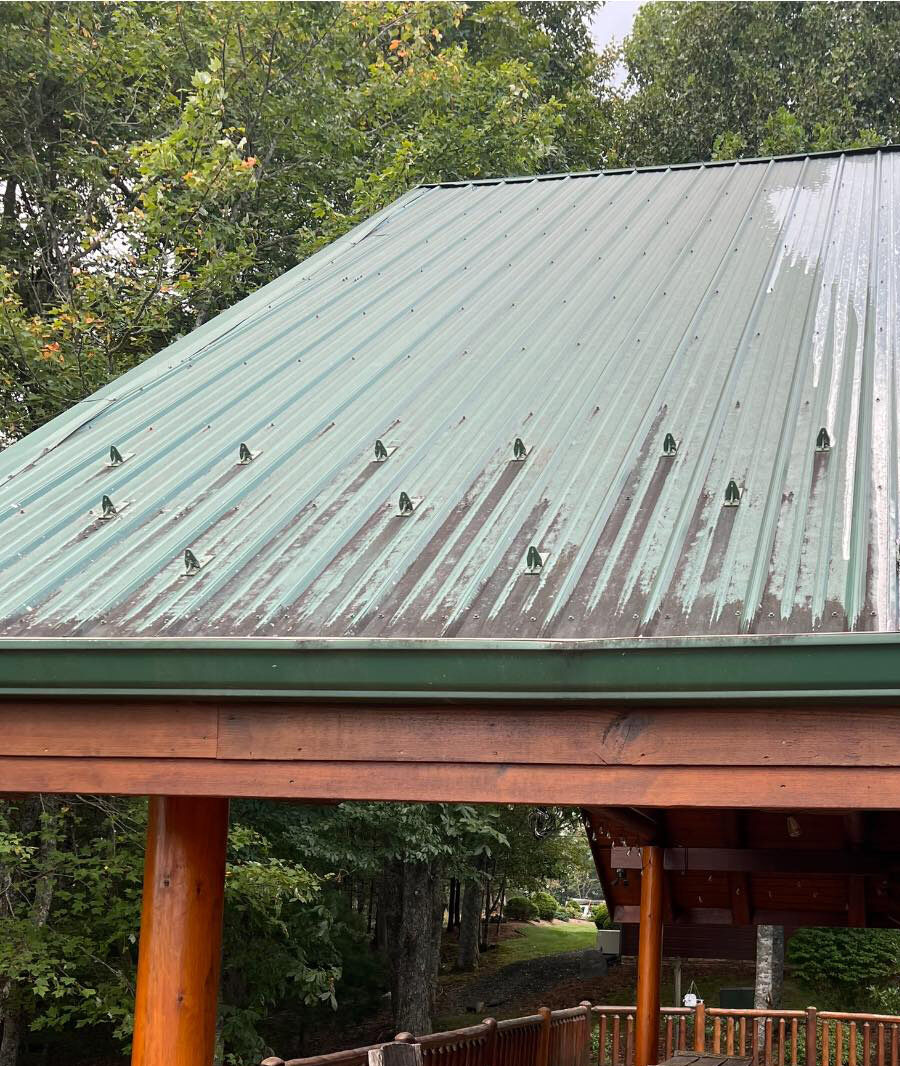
[822,666]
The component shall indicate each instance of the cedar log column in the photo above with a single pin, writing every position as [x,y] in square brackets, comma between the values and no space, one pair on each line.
[180,948]
[646,1045]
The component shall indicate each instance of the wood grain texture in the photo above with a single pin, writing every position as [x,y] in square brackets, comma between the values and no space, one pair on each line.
[183,730]
[753,736]
[181,932]
[649,960]
[667,787]
[838,735]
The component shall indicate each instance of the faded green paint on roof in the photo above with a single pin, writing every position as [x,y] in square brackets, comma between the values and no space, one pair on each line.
[739,308]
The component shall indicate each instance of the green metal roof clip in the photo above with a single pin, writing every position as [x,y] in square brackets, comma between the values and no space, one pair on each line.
[192,564]
[107,509]
[670,445]
[245,455]
[823,441]
[383,451]
[406,505]
[116,458]
[732,494]
[533,561]
[519,450]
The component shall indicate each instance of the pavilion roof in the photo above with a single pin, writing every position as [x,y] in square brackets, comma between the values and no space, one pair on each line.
[655,405]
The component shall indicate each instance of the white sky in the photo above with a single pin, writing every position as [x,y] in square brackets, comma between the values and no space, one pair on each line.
[613,21]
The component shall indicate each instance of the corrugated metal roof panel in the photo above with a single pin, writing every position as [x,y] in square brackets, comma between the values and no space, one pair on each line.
[740,308]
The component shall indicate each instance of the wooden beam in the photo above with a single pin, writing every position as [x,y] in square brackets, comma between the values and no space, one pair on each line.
[634,826]
[646,1041]
[765,737]
[671,787]
[762,860]
[181,932]
[628,914]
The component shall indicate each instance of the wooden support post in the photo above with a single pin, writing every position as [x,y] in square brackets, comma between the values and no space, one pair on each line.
[543,1055]
[700,1028]
[398,1053]
[180,950]
[649,958]
[812,1037]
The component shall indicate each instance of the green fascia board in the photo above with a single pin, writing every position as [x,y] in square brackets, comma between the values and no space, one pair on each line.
[823,666]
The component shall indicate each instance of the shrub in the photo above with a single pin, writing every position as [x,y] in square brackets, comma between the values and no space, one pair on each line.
[520,909]
[573,910]
[600,914]
[546,906]
[561,915]
[852,958]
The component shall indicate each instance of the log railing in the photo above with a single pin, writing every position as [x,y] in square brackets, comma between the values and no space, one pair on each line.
[566,1038]
[766,1037]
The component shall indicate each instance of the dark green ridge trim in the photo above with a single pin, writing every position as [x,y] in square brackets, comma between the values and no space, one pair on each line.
[812,668]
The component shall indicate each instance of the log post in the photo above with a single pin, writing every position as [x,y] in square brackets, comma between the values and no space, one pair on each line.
[649,957]
[180,950]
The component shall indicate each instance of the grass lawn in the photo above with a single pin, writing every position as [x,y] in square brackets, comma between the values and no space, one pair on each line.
[542,938]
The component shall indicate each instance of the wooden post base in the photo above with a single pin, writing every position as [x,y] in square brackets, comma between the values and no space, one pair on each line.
[180,951]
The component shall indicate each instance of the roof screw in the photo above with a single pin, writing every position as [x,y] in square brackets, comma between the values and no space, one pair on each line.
[670,445]
[519,450]
[823,441]
[732,494]
[245,455]
[533,561]
[107,509]
[381,453]
[405,506]
[115,456]
[192,564]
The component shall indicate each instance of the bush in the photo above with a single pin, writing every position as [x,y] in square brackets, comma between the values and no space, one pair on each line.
[852,958]
[520,909]
[546,906]
[573,910]
[600,915]
[561,915]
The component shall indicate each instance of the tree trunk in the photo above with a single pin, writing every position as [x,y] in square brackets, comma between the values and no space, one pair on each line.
[12,1032]
[469,926]
[407,900]
[769,966]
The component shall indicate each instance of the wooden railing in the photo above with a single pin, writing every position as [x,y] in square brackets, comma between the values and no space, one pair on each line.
[565,1038]
[766,1037]
[548,1038]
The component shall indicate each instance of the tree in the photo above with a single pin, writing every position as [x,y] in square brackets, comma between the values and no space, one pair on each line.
[769,967]
[743,79]
[160,161]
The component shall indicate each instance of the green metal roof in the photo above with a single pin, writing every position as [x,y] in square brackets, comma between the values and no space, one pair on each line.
[668,346]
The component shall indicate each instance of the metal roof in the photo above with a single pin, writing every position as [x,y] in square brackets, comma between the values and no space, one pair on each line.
[741,309]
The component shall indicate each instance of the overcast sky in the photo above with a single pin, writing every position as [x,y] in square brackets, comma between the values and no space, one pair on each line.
[613,21]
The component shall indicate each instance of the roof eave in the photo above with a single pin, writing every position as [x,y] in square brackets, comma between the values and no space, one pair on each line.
[823,666]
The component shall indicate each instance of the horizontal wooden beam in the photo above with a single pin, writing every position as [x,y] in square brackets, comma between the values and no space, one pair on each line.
[720,736]
[629,914]
[667,787]
[762,860]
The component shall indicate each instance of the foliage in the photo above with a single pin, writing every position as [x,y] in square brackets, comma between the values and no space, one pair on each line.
[600,916]
[159,161]
[572,909]
[545,905]
[735,79]
[520,909]
[850,958]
